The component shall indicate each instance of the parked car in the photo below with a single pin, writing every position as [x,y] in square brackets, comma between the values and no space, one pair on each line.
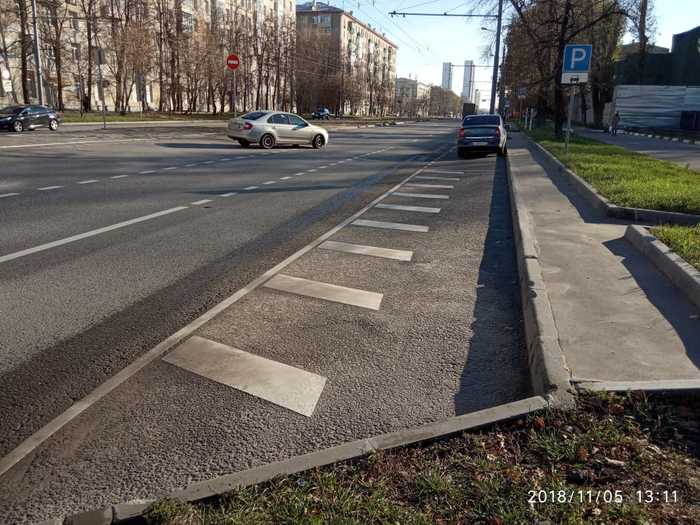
[20,118]
[322,114]
[482,134]
[268,128]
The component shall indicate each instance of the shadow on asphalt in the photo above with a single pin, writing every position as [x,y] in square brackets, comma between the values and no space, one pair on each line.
[496,361]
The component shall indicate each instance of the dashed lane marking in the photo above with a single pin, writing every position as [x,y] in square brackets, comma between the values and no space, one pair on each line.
[230,194]
[91,181]
[420,195]
[285,178]
[269,182]
[190,165]
[2,196]
[391,225]
[325,291]
[170,168]
[48,188]
[250,188]
[399,207]
[118,176]
[147,172]
[198,203]
[373,251]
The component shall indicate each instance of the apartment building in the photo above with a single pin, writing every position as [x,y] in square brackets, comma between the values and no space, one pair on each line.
[358,60]
[149,54]
[412,97]
[468,82]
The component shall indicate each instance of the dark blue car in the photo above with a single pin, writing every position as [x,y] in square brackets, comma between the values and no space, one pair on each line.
[21,118]
[482,134]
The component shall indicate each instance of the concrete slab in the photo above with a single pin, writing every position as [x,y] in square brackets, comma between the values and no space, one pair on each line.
[325,291]
[281,384]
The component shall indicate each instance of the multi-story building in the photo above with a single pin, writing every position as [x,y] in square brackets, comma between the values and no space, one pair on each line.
[446,75]
[468,82]
[412,97]
[353,64]
[167,54]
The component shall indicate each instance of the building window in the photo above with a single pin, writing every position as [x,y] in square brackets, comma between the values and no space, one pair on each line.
[187,22]
[75,23]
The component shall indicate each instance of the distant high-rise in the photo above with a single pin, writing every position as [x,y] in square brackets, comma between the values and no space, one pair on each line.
[468,84]
[446,75]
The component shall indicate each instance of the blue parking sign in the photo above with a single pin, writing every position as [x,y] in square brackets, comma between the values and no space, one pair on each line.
[577,58]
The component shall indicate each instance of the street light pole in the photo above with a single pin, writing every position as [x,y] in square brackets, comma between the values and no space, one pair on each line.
[494,80]
[37,56]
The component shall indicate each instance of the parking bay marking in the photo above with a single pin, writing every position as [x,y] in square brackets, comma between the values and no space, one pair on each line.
[286,386]
[447,172]
[420,195]
[374,251]
[325,291]
[391,225]
[427,177]
[400,207]
[433,186]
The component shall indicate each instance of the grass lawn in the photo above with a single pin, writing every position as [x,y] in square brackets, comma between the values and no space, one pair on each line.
[499,475]
[96,116]
[684,240]
[627,178]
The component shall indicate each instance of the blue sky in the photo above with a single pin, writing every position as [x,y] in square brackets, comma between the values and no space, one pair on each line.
[424,43]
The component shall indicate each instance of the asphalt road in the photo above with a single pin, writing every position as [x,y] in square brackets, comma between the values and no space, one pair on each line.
[112,241]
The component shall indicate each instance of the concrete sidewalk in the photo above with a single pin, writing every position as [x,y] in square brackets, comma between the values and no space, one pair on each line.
[678,152]
[617,317]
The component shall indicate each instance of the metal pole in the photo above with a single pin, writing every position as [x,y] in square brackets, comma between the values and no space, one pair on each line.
[494,81]
[101,92]
[571,110]
[233,107]
[37,56]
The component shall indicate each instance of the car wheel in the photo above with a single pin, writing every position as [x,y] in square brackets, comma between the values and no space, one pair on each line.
[267,141]
[318,142]
[53,124]
[18,126]
[461,154]
[243,143]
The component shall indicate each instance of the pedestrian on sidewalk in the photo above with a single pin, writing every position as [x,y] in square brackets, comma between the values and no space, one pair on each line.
[615,123]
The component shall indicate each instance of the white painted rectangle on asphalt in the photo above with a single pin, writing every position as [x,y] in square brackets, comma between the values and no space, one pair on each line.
[269,182]
[48,188]
[286,386]
[434,186]
[230,194]
[427,177]
[146,172]
[198,203]
[8,195]
[118,176]
[91,181]
[170,168]
[391,225]
[285,178]
[249,188]
[400,207]
[447,172]
[325,291]
[374,251]
[420,195]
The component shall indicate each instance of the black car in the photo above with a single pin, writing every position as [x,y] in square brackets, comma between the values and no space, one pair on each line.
[20,118]
[482,134]
[321,114]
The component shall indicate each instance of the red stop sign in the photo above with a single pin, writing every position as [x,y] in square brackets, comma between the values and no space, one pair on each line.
[232,62]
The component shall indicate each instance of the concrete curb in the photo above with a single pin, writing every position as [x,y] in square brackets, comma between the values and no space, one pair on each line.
[549,374]
[684,276]
[602,204]
[661,137]
[659,385]
[132,512]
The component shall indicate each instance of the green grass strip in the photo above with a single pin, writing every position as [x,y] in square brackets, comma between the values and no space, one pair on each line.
[684,240]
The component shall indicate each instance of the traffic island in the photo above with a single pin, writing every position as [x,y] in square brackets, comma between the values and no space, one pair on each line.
[611,459]
[623,184]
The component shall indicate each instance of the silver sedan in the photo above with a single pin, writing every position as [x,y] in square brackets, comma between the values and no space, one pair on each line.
[268,128]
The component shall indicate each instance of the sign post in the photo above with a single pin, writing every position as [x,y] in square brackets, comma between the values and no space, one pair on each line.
[232,62]
[577,64]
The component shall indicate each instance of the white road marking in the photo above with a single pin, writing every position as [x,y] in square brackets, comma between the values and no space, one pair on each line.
[399,207]
[391,225]
[325,291]
[85,235]
[146,172]
[300,173]
[249,188]
[340,162]
[224,159]
[39,437]
[190,165]
[8,195]
[285,178]
[287,386]
[170,168]
[242,157]
[102,141]
[310,171]
[208,162]
[91,181]
[322,167]
[374,251]
[118,176]
[434,186]
[47,188]
[427,177]
[269,182]
[447,172]
[420,195]
[231,194]
[203,201]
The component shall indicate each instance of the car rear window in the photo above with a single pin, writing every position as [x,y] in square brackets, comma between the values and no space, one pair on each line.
[481,120]
[476,130]
[254,115]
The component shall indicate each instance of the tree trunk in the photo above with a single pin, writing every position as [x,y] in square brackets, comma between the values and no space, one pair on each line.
[559,104]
